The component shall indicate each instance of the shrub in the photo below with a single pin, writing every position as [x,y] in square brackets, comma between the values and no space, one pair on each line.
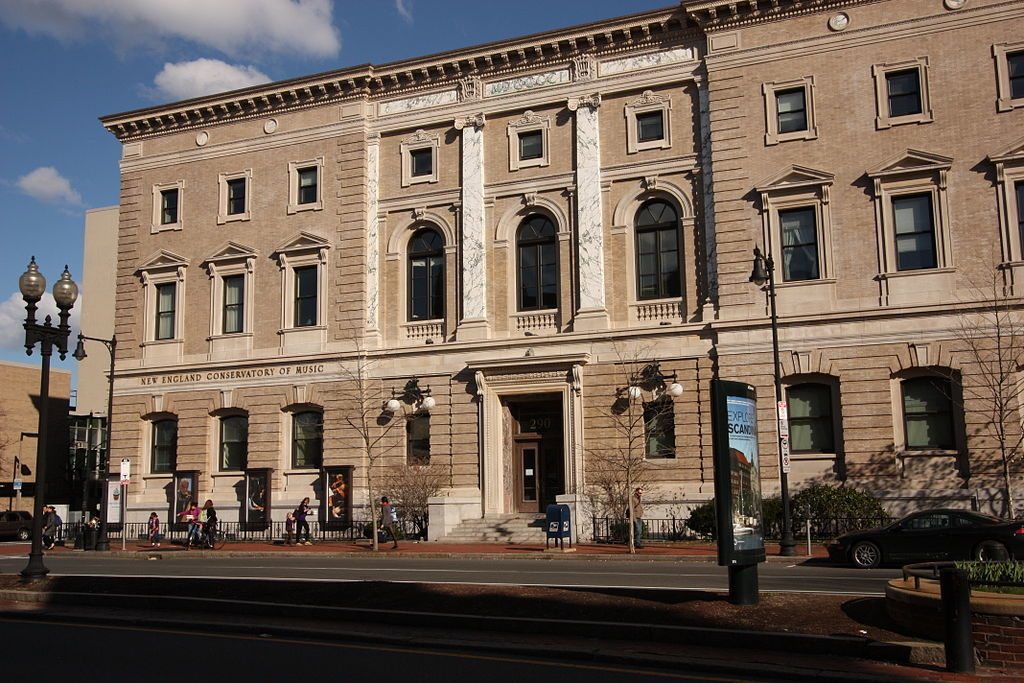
[835,509]
[702,519]
[993,572]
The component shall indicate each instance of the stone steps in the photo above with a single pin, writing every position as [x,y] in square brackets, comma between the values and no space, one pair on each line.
[513,529]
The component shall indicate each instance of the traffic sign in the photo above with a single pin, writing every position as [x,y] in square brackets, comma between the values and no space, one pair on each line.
[126,470]
[17,484]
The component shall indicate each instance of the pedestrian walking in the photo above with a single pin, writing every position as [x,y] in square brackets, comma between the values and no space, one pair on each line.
[289,529]
[57,523]
[301,512]
[388,519]
[636,514]
[154,530]
[49,526]
[210,521]
[191,515]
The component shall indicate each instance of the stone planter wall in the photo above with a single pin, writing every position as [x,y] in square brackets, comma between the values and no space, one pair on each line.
[999,640]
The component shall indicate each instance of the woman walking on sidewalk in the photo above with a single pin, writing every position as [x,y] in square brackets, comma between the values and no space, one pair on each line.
[300,521]
[388,519]
[209,518]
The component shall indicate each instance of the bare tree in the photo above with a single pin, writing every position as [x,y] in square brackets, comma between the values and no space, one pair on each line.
[991,341]
[362,406]
[411,487]
[635,413]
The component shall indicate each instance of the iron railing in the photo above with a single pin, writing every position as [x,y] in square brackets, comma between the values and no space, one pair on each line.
[615,530]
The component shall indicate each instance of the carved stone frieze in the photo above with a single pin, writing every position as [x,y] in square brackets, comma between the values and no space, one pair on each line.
[584,67]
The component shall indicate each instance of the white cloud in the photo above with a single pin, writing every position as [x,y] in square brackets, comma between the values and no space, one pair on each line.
[47,185]
[184,80]
[233,27]
[12,317]
[404,8]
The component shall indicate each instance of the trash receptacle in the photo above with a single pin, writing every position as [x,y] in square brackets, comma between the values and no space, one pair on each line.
[89,534]
[558,525]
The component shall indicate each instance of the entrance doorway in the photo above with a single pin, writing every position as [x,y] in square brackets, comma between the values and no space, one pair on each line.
[538,459]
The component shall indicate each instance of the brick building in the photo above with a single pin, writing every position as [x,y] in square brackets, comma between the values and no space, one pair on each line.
[529,228]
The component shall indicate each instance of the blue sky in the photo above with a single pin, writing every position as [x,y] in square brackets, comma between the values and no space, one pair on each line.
[63,63]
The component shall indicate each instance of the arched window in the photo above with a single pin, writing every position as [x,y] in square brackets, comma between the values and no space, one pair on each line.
[426,275]
[811,429]
[537,244]
[657,251]
[928,413]
[307,440]
[164,451]
[234,442]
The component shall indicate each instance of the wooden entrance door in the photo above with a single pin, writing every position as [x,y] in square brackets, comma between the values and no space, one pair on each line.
[528,463]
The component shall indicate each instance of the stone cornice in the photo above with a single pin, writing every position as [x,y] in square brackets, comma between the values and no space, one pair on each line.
[459,69]
[713,15]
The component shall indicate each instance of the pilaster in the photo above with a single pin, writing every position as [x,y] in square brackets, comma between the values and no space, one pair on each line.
[474,324]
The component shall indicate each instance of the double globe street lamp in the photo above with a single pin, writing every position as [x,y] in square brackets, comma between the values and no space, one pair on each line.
[65,292]
[762,274]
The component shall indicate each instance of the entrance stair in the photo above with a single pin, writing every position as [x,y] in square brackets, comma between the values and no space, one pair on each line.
[514,529]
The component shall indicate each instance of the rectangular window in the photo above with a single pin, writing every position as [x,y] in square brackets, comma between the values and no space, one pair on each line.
[236,196]
[306,296]
[650,126]
[928,414]
[422,161]
[810,418]
[166,296]
[307,185]
[531,145]
[418,440]
[1019,190]
[1015,67]
[915,232]
[904,92]
[659,429]
[168,206]
[307,440]
[165,446]
[234,442]
[234,304]
[791,110]
[799,244]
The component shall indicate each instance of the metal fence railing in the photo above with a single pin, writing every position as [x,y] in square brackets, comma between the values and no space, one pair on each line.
[615,530]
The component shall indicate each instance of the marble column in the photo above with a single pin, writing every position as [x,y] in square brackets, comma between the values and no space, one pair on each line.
[592,313]
[372,239]
[474,324]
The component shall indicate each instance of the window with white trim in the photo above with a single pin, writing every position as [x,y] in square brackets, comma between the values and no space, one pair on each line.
[234,197]
[307,440]
[303,263]
[166,311]
[528,144]
[163,456]
[234,443]
[305,185]
[231,271]
[1009,75]
[648,122]
[419,158]
[901,93]
[789,111]
[163,282]
[928,413]
[168,206]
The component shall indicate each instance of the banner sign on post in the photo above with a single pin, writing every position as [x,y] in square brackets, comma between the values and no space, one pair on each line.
[784,435]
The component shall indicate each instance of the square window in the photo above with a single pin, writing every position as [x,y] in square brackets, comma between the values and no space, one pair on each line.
[1015,70]
[904,92]
[422,162]
[531,145]
[169,206]
[915,232]
[236,196]
[791,110]
[307,185]
[650,126]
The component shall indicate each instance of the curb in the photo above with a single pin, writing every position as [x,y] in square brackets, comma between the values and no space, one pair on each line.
[844,646]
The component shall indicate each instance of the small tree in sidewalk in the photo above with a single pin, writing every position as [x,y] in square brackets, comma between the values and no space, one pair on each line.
[411,487]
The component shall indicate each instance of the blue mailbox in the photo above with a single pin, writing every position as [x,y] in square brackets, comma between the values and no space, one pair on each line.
[558,525]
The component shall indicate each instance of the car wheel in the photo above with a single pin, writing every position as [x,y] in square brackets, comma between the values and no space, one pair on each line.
[866,555]
[991,551]
[24,534]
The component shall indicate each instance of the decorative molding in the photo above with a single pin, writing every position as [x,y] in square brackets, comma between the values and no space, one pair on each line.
[646,99]
[527,119]
[476,120]
[423,101]
[544,79]
[589,101]
[584,67]
[470,89]
[646,61]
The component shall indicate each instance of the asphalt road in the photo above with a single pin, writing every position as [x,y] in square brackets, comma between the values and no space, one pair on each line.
[134,654]
[682,575]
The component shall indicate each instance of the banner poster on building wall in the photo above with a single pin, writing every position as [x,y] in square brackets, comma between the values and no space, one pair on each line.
[737,474]
[336,509]
[257,498]
[186,492]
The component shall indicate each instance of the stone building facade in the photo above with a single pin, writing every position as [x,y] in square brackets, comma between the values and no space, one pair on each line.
[529,228]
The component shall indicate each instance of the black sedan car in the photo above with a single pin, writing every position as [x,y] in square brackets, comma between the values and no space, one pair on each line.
[932,535]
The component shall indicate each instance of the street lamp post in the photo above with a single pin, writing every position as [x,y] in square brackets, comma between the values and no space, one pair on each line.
[65,292]
[102,542]
[764,273]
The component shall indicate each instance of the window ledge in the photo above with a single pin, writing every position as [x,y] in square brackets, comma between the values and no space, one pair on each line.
[805,283]
[292,472]
[158,475]
[233,335]
[288,330]
[229,473]
[813,456]
[913,273]
[910,453]
[233,218]
[162,342]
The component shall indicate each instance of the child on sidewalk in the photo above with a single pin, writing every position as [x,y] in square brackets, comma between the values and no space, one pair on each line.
[154,530]
[289,529]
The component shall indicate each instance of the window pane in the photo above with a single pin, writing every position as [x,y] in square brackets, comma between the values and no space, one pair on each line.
[307,440]
[234,307]
[810,418]
[792,115]
[168,206]
[166,294]
[799,235]
[417,432]
[904,92]
[1019,187]
[165,445]
[650,126]
[659,427]
[1015,66]
[531,145]
[928,413]
[422,162]
[305,296]
[234,436]
[915,239]
[307,185]
[236,196]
